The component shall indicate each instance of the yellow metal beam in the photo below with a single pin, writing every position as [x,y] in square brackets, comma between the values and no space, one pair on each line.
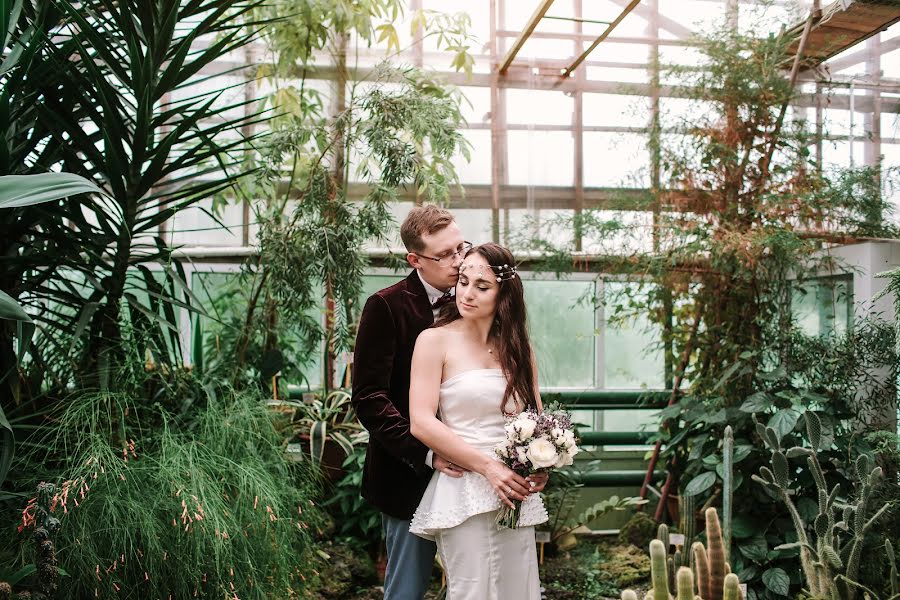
[584,55]
[526,32]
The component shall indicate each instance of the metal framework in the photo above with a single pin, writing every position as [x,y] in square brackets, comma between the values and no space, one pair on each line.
[501,69]
[541,13]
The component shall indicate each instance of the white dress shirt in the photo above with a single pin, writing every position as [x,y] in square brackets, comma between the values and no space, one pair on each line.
[434,295]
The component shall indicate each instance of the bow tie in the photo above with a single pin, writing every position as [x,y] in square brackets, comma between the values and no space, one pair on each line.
[447,298]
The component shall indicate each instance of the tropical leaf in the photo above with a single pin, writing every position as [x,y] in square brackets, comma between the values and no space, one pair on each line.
[700,483]
[145,115]
[26,190]
[318,435]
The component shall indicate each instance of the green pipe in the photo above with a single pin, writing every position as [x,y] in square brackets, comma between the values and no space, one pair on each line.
[615,478]
[615,438]
[609,399]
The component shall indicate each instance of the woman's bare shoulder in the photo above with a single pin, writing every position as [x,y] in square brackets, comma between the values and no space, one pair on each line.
[432,335]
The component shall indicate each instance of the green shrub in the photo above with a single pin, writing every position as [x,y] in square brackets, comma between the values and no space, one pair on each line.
[207,506]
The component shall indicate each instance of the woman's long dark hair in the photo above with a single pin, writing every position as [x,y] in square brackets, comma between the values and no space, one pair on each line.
[509,331]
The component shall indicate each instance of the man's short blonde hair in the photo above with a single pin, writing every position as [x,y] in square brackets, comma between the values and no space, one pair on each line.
[423,220]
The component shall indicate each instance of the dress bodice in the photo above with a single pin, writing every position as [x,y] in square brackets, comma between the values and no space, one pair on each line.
[469,405]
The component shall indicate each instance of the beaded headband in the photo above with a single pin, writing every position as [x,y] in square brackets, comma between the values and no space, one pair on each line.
[501,273]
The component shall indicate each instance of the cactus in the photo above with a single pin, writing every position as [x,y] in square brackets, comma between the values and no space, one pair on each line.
[825,572]
[711,570]
[687,527]
[662,534]
[716,555]
[732,588]
[685,584]
[701,566]
[889,550]
[727,487]
[659,572]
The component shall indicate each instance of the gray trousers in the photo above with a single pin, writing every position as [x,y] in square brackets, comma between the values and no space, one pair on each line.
[409,561]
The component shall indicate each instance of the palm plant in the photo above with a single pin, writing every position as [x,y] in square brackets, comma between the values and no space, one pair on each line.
[128,97]
[18,191]
[23,37]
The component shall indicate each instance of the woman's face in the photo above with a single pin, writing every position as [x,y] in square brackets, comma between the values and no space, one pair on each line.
[477,288]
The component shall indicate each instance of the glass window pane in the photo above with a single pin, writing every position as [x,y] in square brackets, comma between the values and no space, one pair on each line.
[616,159]
[632,357]
[222,299]
[541,158]
[477,170]
[822,306]
[537,107]
[562,331]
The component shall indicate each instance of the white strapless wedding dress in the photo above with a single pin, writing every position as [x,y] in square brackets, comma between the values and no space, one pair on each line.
[482,561]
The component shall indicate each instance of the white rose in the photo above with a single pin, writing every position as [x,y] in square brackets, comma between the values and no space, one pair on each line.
[502,450]
[510,430]
[565,459]
[569,439]
[542,453]
[557,434]
[525,427]
[572,450]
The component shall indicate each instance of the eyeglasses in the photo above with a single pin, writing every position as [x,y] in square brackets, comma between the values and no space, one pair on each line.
[448,258]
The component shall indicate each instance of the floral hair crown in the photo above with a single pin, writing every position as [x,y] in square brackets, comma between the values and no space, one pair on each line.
[502,273]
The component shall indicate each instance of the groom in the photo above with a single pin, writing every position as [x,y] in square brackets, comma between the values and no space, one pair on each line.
[398,466]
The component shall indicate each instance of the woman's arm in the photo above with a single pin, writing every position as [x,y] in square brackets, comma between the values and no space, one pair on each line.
[424,393]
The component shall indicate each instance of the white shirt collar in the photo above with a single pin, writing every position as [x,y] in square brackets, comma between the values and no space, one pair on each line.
[433,292]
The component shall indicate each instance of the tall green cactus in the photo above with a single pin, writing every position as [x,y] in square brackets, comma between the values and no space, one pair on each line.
[685,584]
[687,528]
[701,566]
[710,569]
[659,572]
[727,487]
[732,587]
[826,568]
[662,534]
[716,554]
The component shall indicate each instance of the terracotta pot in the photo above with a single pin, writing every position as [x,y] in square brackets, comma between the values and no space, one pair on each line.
[333,457]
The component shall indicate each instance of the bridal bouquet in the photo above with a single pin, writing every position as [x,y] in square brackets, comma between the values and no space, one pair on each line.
[535,442]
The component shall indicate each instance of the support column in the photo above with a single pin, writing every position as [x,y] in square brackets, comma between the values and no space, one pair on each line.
[872,120]
[578,129]
[498,119]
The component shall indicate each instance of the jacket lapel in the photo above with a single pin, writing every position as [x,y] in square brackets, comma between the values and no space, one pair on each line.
[417,299]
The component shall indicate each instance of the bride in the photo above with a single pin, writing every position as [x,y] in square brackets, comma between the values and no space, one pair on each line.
[472,369]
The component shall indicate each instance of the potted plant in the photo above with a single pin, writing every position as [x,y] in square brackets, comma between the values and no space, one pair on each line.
[326,429]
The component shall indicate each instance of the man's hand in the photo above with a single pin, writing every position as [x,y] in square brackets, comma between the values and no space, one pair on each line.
[446,467]
[537,481]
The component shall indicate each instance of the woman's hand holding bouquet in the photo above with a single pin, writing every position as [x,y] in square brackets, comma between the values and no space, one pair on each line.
[535,443]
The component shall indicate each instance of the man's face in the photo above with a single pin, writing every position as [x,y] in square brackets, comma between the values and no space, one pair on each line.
[445,245]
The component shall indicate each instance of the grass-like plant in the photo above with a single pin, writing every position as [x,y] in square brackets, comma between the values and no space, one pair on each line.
[205,507]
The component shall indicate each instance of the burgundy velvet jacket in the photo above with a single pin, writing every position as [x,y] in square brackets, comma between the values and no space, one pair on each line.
[395,475]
